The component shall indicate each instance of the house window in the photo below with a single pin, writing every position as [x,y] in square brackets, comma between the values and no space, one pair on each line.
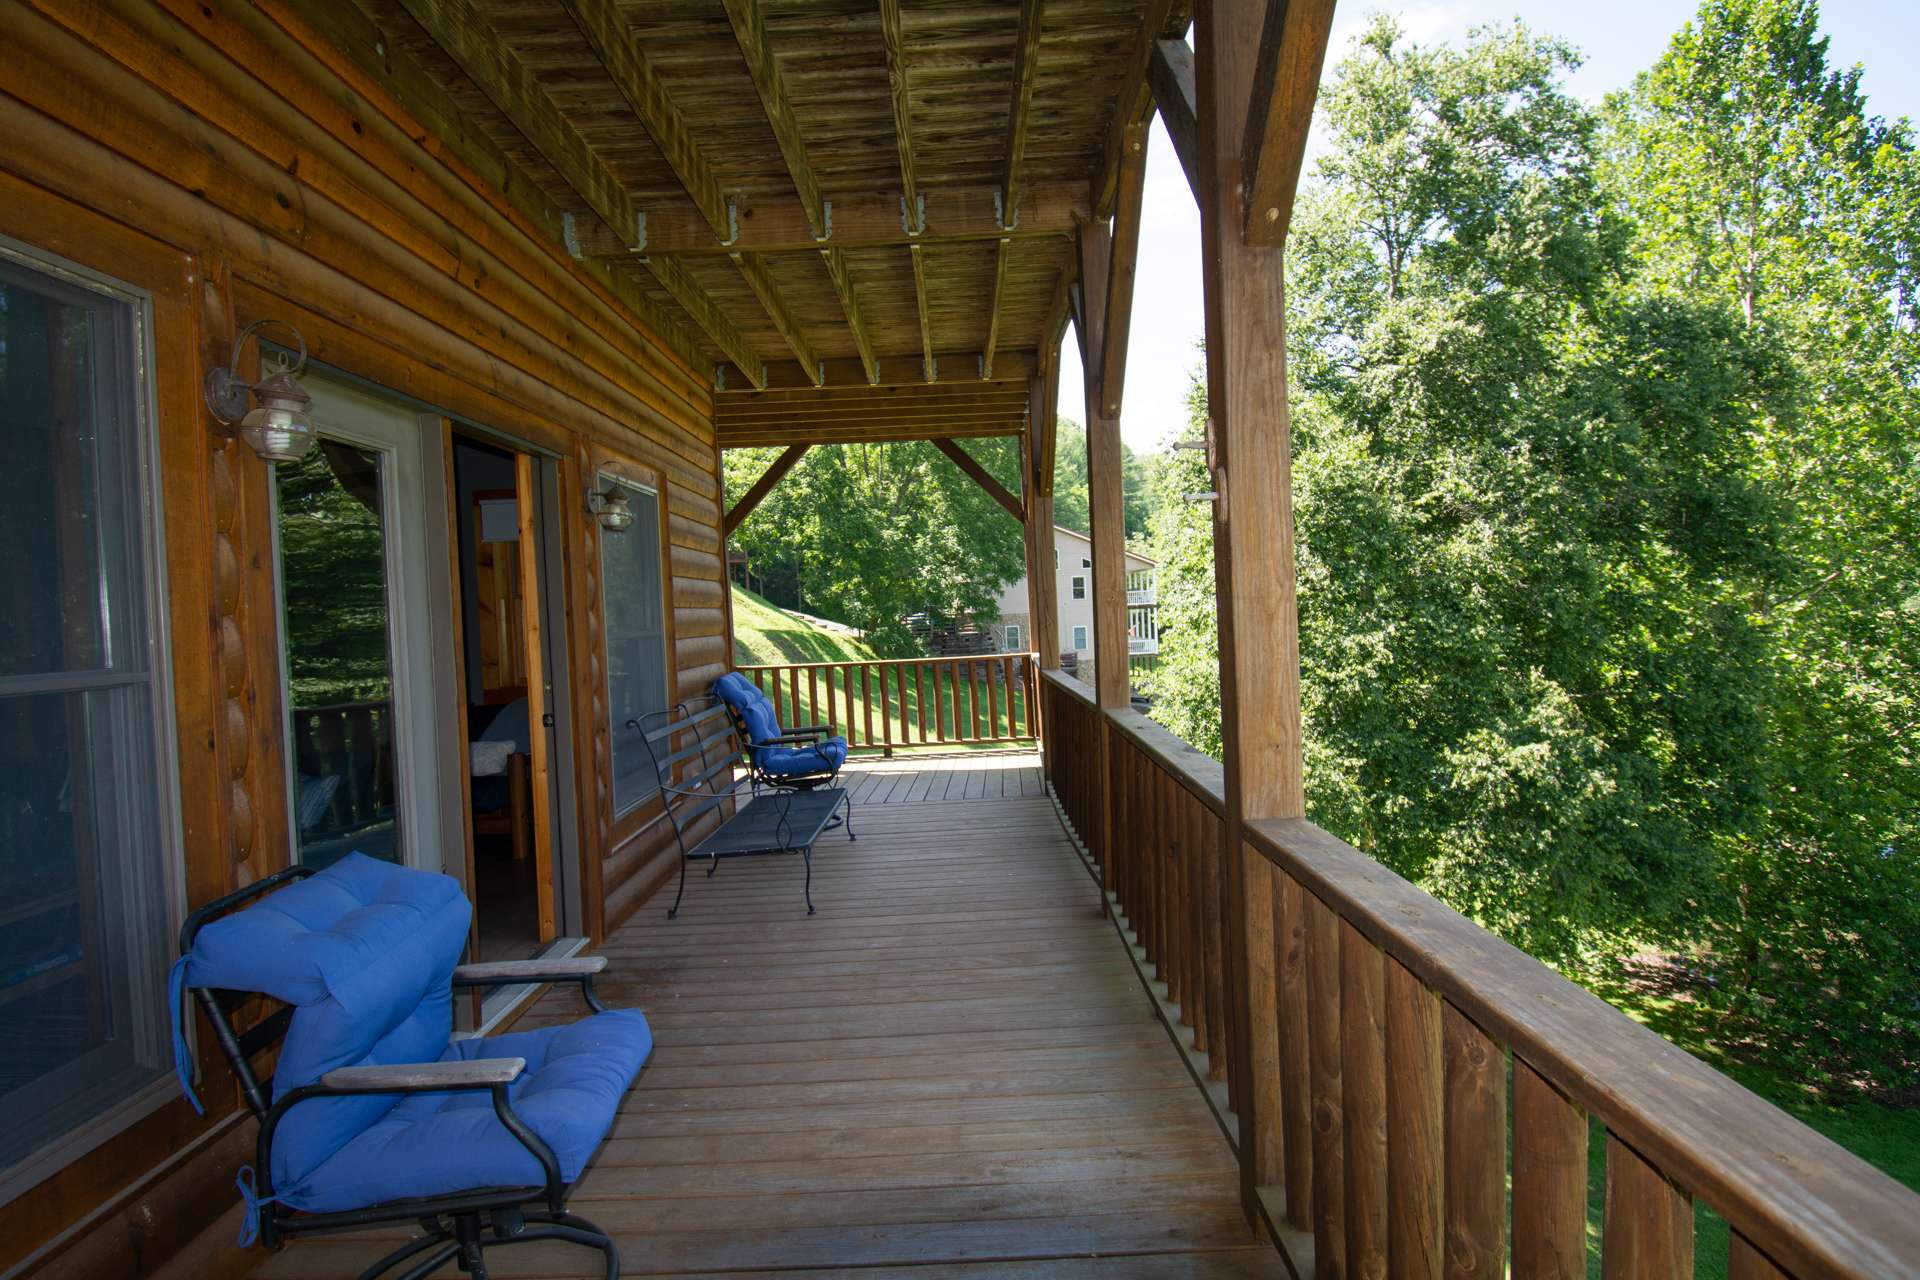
[1013,638]
[89,871]
[1085,563]
[1079,587]
[1079,638]
[630,571]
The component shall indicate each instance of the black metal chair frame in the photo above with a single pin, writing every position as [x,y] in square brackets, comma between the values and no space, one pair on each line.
[459,1226]
[690,791]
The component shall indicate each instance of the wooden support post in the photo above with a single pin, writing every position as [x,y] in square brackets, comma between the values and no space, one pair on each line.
[1253,526]
[761,488]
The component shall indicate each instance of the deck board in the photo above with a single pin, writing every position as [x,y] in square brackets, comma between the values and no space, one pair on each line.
[950,1073]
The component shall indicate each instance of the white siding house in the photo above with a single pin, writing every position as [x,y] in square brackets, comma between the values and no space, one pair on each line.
[1073,588]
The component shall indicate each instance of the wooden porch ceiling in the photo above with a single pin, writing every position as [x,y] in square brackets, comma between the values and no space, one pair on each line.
[830,194]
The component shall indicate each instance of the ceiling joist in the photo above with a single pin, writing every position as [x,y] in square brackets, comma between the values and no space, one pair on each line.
[912,212]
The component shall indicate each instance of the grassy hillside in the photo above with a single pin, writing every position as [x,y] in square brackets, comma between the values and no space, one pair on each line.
[766,635]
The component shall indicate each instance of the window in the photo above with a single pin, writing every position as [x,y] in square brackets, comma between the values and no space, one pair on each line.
[1079,638]
[88,859]
[630,573]
[1013,638]
[1086,563]
[1079,586]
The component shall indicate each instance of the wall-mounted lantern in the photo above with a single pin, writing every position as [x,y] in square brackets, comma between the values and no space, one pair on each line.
[278,427]
[611,508]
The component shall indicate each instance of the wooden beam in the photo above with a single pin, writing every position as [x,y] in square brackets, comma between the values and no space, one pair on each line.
[911,213]
[835,261]
[866,433]
[960,368]
[1286,80]
[606,28]
[859,220]
[1171,75]
[1105,478]
[928,365]
[993,308]
[765,288]
[1258,617]
[1026,60]
[467,37]
[982,477]
[749,24]
[688,292]
[1118,303]
[1094,252]
[1135,107]
[761,488]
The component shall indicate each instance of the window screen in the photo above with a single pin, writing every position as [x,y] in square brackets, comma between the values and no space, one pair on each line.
[631,578]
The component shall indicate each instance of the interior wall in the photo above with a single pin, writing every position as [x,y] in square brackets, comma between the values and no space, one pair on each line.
[224,157]
[474,469]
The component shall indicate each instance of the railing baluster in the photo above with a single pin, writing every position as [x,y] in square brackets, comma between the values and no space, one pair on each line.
[1192,837]
[1476,1150]
[1222,1000]
[975,671]
[920,696]
[1415,1076]
[1363,1101]
[792,715]
[1746,1262]
[1324,1068]
[866,701]
[1296,1054]
[1649,1221]
[1549,1180]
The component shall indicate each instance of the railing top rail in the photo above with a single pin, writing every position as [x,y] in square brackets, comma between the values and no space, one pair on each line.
[1069,685]
[1203,776]
[946,659]
[1811,1204]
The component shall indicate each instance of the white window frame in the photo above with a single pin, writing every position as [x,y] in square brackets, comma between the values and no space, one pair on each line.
[1077,586]
[604,479]
[1079,639]
[171,873]
[1011,637]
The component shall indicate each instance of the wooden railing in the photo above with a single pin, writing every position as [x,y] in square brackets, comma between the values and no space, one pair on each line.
[354,742]
[1389,1043]
[910,702]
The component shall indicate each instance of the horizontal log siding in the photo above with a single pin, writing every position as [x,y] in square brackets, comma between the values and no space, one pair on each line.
[227,159]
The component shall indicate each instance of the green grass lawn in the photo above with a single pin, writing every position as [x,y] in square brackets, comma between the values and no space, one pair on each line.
[766,635]
[1887,1138]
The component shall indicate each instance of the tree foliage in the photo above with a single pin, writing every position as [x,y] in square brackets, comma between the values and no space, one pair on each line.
[870,534]
[1605,490]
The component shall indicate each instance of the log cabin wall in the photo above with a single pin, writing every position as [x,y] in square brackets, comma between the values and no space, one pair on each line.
[224,158]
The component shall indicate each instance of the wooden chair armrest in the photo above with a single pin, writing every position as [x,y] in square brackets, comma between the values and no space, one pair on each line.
[557,970]
[413,1077]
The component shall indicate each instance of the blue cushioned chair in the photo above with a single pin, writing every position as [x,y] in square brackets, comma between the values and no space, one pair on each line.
[805,757]
[373,1112]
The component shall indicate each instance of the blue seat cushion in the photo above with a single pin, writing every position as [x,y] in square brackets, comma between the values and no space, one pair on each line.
[364,951]
[794,762]
[753,707]
[434,1144]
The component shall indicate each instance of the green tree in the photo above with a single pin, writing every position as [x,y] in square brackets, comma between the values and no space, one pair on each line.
[1758,179]
[870,534]
[1070,483]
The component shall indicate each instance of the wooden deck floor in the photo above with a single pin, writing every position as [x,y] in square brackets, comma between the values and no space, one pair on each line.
[950,1071]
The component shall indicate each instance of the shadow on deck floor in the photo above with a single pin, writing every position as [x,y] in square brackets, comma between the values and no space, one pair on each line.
[951,1071]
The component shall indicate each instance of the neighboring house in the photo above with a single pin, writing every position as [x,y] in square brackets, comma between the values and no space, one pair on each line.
[1073,588]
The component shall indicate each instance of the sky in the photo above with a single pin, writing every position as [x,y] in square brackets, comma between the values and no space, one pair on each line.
[1617,38]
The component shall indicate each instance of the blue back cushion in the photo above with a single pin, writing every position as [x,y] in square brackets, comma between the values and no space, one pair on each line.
[365,952]
[750,704]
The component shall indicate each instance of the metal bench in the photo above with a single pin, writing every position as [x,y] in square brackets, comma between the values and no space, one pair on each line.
[702,766]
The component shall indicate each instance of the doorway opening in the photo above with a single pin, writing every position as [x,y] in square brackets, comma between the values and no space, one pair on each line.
[505,683]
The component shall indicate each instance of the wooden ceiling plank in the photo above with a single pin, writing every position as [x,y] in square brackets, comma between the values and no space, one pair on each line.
[761,488]
[911,212]
[1286,79]
[458,28]
[1163,17]
[687,291]
[749,24]
[1118,303]
[982,477]
[1026,61]
[781,437]
[765,288]
[848,373]
[607,30]
[1171,75]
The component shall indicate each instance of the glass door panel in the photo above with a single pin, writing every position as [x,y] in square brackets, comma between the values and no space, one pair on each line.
[339,656]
